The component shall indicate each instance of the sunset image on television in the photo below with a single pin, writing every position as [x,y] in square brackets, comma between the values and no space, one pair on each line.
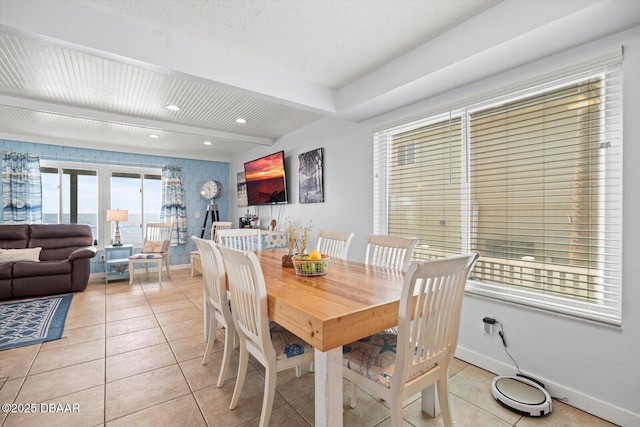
[265,180]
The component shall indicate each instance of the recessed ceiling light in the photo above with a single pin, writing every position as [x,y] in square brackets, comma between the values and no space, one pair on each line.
[241,120]
[173,107]
[207,143]
[154,136]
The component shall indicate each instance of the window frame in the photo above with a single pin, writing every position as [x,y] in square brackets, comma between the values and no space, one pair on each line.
[103,174]
[610,258]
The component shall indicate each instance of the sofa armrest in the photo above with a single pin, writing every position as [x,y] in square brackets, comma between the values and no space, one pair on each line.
[81,253]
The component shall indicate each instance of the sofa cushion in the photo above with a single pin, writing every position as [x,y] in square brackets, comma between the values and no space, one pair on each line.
[39,285]
[58,241]
[44,268]
[28,254]
[6,269]
[14,236]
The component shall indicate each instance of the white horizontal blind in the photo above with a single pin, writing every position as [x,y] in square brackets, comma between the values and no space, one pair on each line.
[531,180]
[419,182]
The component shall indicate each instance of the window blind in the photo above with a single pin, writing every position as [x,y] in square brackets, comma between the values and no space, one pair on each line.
[531,180]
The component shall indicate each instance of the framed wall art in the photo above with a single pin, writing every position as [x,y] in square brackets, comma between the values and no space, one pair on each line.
[311,179]
[242,191]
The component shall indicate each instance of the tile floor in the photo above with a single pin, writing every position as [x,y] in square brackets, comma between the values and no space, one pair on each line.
[131,356]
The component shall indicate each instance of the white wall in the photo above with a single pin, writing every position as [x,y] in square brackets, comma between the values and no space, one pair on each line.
[594,366]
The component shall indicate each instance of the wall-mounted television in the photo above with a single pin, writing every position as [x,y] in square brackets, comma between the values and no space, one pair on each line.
[266,180]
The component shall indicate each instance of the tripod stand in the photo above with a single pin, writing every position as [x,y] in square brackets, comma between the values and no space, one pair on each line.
[215,216]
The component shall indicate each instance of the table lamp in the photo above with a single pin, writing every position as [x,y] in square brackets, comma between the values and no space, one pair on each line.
[117,215]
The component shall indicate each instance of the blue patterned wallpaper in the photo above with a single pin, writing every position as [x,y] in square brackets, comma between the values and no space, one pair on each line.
[194,173]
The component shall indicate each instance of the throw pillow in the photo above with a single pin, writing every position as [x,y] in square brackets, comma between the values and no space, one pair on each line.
[30,254]
[153,247]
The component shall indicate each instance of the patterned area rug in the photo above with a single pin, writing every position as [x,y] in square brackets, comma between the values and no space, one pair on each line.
[33,321]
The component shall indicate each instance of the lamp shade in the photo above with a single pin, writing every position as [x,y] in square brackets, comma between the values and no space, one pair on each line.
[117,215]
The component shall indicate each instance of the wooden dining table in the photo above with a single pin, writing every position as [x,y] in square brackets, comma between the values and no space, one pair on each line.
[351,301]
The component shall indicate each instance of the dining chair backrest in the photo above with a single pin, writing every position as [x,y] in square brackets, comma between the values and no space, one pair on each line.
[245,239]
[334,243]
[248,297]
[392,252]
[158,232]
[269,343]
[214,277]
[219,225]
[427,334]
[216,301]
[428,328]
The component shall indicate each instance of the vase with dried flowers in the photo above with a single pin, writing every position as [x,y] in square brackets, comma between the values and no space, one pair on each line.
[298,239]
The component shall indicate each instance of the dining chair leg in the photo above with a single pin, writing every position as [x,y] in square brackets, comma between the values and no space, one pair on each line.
[354,390]
[395,405]
[211,338]
[146,269]
[226,356]
[166,266]
[160,272]
[269,394]
[131,272]
[242,373]
[442,387]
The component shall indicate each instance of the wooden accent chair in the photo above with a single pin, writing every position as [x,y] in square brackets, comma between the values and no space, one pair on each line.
[156,249]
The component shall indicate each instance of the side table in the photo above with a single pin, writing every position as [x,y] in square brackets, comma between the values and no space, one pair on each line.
[116,262]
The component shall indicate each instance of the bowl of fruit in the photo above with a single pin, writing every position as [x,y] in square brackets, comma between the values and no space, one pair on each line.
[312,264]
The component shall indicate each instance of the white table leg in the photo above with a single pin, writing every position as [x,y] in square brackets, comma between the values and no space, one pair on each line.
[328,387]
[429,403]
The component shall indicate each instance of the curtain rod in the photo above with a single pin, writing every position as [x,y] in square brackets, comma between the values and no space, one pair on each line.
[94,160]
[101,161]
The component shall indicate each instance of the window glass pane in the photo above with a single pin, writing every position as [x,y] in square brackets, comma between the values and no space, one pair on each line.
[50,195]
[152,197]
[79,197]
[141,195]
[126,195]
[536,168]
[425,186]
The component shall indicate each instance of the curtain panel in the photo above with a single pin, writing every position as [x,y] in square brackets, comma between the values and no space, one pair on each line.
[174,207]
[21,188]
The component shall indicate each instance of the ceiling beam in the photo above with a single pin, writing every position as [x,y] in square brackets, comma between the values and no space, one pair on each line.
[122,119]
[94,32]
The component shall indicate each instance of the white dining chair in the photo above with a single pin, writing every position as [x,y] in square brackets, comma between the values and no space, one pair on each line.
[392,252]
[334,243]
[245,239]
[216,302]
[397,366]
[156,249]
[270,344]
[219,225]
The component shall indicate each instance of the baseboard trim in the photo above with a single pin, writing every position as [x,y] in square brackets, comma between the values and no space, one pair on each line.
[574,398]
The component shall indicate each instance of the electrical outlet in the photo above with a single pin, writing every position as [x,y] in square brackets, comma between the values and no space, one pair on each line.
[487,323]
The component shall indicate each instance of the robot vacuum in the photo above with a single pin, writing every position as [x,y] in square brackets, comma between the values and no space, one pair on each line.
[521,395]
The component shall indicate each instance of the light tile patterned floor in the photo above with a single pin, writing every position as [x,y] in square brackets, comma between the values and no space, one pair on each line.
[131,356]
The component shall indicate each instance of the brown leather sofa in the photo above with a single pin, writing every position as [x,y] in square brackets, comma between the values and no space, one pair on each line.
[64,264]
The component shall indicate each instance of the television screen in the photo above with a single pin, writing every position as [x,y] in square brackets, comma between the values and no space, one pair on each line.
[265,180]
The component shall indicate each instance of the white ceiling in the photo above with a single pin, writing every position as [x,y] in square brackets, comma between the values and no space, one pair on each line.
[98,74]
